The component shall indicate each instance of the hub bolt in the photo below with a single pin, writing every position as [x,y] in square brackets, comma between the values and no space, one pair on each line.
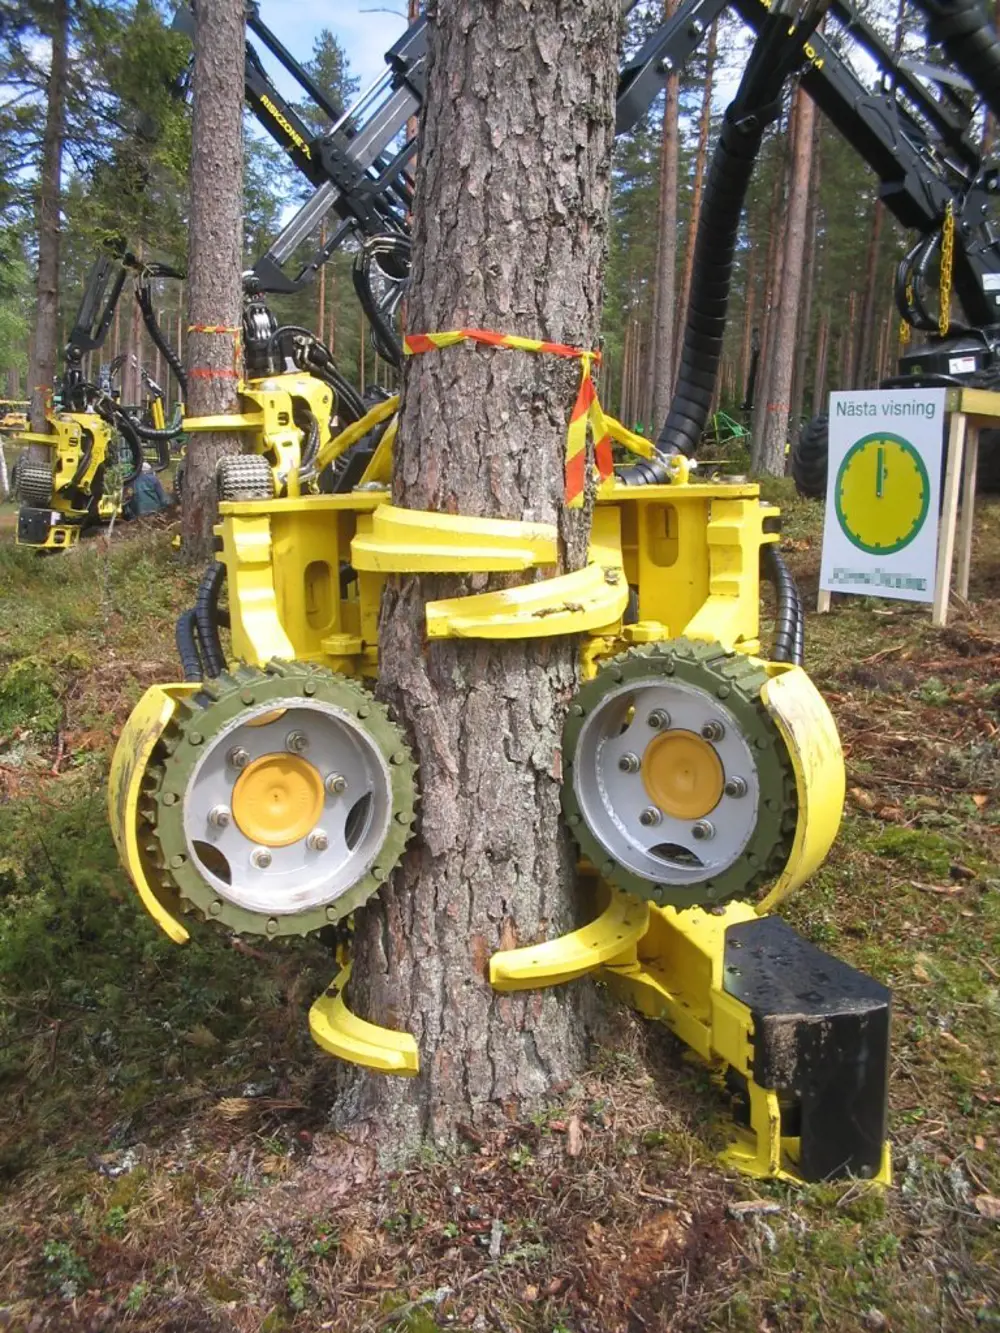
[260,857]
[736,786]
[219,816]
[296,742]
[238,757]
[703,830]
[658,719]
[629,763]
[335,784]
[317,841]
[650,817]
[713,731]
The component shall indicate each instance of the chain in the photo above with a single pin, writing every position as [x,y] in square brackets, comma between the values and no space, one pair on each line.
[947,257]
[904,326]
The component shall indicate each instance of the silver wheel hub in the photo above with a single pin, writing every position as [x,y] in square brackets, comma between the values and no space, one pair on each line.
[290,839]
[616,794]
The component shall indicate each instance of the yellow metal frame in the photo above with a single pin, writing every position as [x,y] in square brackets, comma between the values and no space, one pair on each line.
[66,441]
[690,550]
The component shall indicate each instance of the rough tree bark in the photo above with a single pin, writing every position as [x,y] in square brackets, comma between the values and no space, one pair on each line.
[43,353]
[510,231]
[809,277]
[662,352]
[215,256]
[769,312]
[770,460]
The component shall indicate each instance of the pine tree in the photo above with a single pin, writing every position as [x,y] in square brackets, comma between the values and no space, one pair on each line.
[491,863]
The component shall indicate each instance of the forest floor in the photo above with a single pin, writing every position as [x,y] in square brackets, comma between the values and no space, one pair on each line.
[165,1156]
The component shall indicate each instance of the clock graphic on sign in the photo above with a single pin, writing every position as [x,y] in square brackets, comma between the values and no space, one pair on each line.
[882,493]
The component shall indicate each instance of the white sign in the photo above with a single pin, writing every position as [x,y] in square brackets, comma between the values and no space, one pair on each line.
[882,493]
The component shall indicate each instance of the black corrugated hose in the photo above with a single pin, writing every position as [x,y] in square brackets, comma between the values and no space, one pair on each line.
[206,619]
[970,41]
[776,53]
[187,647]
[789,634]
[145,299]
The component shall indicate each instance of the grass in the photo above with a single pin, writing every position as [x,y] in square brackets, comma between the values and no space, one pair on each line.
[165,1155]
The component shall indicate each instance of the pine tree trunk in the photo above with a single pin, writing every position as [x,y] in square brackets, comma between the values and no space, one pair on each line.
[808,287]
[771,459]
[749,305]
[822,354]
[482,432]
[772,299]
[45,334]
[662,351]
[861,369]
[701,157]
[215,256]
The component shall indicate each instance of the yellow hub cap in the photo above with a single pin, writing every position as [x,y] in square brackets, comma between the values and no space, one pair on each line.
[682,774]
[277,799]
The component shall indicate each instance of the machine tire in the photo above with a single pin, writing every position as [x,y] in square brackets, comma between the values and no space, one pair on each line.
[244,477]
[810,456]
[252,707]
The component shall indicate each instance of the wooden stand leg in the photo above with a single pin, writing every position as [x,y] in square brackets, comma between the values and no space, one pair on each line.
[968,510]
[946,539]
[823,600]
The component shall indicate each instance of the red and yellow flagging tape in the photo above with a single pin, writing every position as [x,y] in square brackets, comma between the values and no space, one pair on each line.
[586,409]
[204,373]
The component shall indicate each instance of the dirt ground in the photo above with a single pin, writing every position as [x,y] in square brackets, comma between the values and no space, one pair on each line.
[166,1156]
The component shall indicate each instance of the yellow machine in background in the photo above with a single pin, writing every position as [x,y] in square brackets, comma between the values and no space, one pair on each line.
[703,781]
[66,491]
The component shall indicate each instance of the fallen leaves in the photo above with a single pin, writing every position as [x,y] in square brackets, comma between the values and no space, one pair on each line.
[574,1136]
[987,1206]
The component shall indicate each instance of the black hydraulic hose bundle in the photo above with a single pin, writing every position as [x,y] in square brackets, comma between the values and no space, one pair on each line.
[757,105]
[319,361]
[789,634]
[970,40]
[187,647]
[391,255]
[144,297]
[206,619]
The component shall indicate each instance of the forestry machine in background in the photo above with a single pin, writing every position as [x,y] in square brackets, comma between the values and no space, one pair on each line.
[96,447]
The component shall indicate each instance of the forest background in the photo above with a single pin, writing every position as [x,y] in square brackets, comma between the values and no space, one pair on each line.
[124,145]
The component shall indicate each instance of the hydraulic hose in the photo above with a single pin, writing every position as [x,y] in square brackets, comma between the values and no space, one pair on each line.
[757,105]
[970,40]
[206,618]
[126,426]
[187,647]
[789,634]
[145,300]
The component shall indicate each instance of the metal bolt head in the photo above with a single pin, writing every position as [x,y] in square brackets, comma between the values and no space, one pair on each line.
[296,742]
[658,719]
[703,830]
[629,763]
[219,816]
[650,817]
[260,857]
[611,576]
[736,786]
[317,841]
[713,731]
[238,757]
[335,784]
